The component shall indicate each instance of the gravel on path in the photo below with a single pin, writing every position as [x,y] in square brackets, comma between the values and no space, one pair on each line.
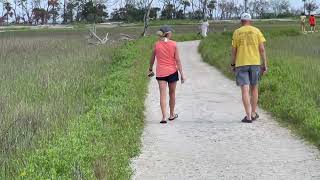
[208,141]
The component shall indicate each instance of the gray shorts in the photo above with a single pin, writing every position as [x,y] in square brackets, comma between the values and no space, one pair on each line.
[247,75]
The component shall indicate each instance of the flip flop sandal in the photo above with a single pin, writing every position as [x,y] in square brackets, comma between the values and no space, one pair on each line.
[255,117]
[163,122]
[245,120]
[175,117]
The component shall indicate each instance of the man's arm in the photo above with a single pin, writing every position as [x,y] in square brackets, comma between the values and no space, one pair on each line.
[233,58]
[233,55]
[263,55]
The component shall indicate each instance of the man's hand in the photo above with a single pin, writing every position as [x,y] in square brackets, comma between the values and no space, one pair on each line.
[264,69]
[233,68]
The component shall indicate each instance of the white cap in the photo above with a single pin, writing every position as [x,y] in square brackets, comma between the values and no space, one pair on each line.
[246,17]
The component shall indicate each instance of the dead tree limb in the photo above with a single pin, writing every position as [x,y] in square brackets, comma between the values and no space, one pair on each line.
[98,40]
[146,18]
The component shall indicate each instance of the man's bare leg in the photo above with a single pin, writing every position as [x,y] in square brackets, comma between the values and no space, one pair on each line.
[254,99]
[245,90]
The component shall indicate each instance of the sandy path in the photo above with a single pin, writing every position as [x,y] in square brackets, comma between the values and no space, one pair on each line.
[209,142]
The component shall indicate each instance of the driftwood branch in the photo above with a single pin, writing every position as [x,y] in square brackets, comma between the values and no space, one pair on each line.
[98,40]
[127,36]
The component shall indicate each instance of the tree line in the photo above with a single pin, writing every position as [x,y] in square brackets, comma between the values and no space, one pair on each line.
[88,11]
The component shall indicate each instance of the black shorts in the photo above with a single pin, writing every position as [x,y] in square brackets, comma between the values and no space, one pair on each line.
[171,78]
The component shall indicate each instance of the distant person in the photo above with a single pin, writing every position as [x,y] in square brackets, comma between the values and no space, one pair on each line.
[167,70]
[303,19]
[204,28]
[312,22]
[247,50]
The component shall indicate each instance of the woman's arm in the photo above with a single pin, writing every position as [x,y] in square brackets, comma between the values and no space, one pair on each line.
[152,59]
[179,65]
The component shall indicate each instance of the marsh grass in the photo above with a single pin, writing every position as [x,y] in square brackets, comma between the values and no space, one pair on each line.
[45,81]
[290,90]
[69,110]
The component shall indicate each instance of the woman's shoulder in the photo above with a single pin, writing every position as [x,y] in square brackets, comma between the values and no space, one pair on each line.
[172,42]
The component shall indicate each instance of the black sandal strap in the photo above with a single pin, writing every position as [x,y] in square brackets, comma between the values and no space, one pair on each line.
[175,117]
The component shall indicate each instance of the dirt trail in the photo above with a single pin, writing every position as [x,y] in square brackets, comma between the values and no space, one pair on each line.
[209,142]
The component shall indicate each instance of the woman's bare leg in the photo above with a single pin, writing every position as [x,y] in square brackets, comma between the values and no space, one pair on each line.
[163,97]
[172,94]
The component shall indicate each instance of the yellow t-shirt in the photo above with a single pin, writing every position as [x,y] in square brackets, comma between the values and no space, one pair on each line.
[247,40]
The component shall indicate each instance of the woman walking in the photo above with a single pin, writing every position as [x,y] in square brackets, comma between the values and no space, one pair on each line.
[167,70]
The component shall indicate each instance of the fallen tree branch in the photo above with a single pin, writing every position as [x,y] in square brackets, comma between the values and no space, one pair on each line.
[93,35]
[127,36]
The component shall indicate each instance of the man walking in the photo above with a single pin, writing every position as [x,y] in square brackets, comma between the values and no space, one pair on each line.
[247,51]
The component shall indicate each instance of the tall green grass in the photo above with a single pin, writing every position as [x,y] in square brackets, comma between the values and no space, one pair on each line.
[46,80]
[100,143]
[69,110]
[290,90]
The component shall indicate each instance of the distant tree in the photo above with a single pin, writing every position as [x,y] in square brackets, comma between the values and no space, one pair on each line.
[280,6]
[168,12]
[197,14]
[94,12]
[311,6]
[118,14]
[69,14]
[17,17]
[258,7]
[135,14]
[25,11]
[154,12]
[39,14]
[64,12]
[304,6]
[238,10]
[185,3]
[54,11]
[246,6]
[227,9]
[212,6]
[146,17]
[204,9]
[8,7]
[180,14]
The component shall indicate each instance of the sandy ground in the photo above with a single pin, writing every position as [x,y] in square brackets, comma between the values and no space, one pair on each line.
[209,142]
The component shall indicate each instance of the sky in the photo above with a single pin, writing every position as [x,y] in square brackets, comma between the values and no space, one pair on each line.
[113,4]
[294,3]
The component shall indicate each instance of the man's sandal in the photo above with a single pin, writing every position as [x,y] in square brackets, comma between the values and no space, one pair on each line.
[255,117]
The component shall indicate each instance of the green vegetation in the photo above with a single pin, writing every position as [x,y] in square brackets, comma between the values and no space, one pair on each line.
[71,110]
[290,90]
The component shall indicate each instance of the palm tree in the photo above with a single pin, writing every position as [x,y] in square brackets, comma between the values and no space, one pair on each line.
[304,6]
[245,5]
[8,8]
[211,7]
[185,4]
